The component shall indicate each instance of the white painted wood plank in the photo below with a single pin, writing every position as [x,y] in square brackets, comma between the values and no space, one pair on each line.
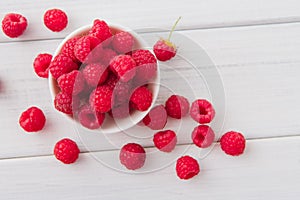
[139,14]
[269,169]
[259,67]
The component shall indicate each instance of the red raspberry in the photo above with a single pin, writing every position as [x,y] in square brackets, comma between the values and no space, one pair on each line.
[165,140]
[187,167]
[41,64]
[141,98]
[121,90]
[32,120]
[156,119]
[89,118]
[100,30]
[14,25]
[65,103]
[202,111]
[95,74]
[233,143]
[68,48]
[107,55]
[164,50]
[120,112]
[56,20]
[177,106]
[123,42]
[124,67]
[60,65]
[146,65]
[203,136]
[72,83]
[132,156]
[84,47]
[101,99]
[66,151]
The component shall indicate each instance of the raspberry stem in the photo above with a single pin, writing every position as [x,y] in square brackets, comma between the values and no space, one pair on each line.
[173,28]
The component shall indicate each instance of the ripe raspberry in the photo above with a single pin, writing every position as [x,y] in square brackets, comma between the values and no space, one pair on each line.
[100,30]
[84,46]
[202,111]
[203,136]
[120,112]
[101,99]
[123,42]
[107,55]
[121,90]
[177,106]
[124,67]
[32,119]
[68,48]
[56,20]
[156,119]
[95,74]
[72,83]
[66,151]
[146,65]
[41,64]
[233,143]
[89,118]
[187,167]
[14,25]
[141,98]
[132,156]
[165,140]
[60,65]
[65,103]
[164,50]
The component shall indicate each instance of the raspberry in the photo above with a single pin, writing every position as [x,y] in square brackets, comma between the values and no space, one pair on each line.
[72,83]
[41,64]
[141,98]
[233,143]
[95,74]
[157,118]
[66,151]
[89,118]
[32,119]
[100,30]
[187,167]
[164,50]
[68,48]
[165,140]
[101,99]
[56,20]
[124,67]
[202,111]
[177,106]
[121,90]
[146,65]
[65,103]
[14,25]
[107,55]
[60,65]
[84,47]
[132,156]
[120,112]
[203,136]
[123,42]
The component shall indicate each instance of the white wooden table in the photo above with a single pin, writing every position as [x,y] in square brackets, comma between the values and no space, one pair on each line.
[255,45]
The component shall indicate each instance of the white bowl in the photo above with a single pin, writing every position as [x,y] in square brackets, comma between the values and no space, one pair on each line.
[109,125]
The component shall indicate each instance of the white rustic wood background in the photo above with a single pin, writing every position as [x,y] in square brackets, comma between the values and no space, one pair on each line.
[255,45]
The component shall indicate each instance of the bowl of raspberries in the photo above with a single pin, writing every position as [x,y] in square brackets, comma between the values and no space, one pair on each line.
[103,77]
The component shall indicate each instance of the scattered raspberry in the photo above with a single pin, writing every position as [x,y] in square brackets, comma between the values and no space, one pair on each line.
[187,167]
[100,30]
[233,143]
[132,156]
[66,151]
[41,64]
[141,98]
[177,106]
[203,136]
[146,65]
[156,119]
[123,42]
[14,25]
[107,55]
[56,20]
[202,111]
[101,99]
[89,118]
[60,65]
[32,120]
[120,112]
[84,47]
[165,140]
[68,48]
[95,74]
[72,83]
[65,103]
[124,67]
